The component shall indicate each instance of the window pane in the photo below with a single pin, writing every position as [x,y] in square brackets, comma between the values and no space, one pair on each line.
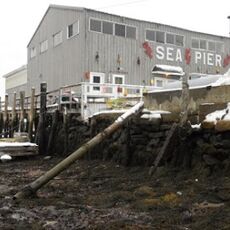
[32,52]
[95,25]
[170,38]
[57,38]
[96,79]
[131,32]
[44,46]
[160,37]
[219,47]
[118,80]
[159,83]
[150,35]
[211,46]
[179,40]
[203,45]
[195,43]
[73,29]
[107,28]
[120,30]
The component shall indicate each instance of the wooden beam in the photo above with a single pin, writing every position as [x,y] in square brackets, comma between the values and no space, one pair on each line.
[44,179]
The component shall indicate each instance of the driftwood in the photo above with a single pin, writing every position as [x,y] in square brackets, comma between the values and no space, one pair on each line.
[31,189]
[164,149]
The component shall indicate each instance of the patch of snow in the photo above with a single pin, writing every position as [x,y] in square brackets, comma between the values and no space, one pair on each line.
[196,126]
[170,68]
[5,158]
[219,115]
[16,144]
[155,111]
[151,116]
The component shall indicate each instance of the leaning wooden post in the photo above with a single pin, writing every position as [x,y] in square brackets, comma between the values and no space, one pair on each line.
[31,114]
[185,100]
[5,117]
[22,110]
[34,186]
[40,135]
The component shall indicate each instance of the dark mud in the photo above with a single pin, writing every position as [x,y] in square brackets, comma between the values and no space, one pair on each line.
[105,195]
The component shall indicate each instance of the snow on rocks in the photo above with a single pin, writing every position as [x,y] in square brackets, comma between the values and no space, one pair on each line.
[218,120]
[5,158]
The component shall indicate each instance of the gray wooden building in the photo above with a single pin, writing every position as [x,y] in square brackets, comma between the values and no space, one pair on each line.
[72,45]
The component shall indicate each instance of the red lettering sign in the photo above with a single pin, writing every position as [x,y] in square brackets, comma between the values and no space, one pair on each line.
[148,49]
[226,60]
[188,55]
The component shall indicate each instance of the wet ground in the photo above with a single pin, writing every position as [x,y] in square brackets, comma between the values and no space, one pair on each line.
[104,195]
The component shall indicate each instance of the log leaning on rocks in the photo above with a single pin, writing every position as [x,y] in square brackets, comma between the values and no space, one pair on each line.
[31,189]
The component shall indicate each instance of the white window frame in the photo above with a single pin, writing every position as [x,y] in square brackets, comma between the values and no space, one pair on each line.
[114,76]
[61,38]
[113,22]
[74,34]
[33,52]
[102,81]
[97,19]
[150,30]
[44,46]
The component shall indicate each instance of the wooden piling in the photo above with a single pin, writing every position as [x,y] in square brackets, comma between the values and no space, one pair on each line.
[22,111]
[53,131]
[5,116]
[13,117]
[40,134]
[31,114]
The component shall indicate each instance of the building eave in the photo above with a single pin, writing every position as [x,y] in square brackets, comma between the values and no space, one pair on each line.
[52,6]
[24,67]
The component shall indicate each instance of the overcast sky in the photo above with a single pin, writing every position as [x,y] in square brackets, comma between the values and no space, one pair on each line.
[20,18]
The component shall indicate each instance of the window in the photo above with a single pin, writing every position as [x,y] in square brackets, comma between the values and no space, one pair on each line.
[160,37]
[219,47]
[96,78]
[120,30]
[73,29]
[131,32]
[95,25]
[150,35]
[211,46]
[44,46]
[118,79]
[170,38]
[107,27]
[57,38]
[33,52]
[203,45]
[195,43]
[179,40]
[159,83]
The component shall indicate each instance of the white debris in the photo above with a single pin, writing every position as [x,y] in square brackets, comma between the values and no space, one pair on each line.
[5,158]
[151,116]
[196,126]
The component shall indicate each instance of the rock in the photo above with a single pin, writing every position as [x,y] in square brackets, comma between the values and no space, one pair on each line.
[208,124]
[5,158]
[222,126]
[209,160]
[186,217]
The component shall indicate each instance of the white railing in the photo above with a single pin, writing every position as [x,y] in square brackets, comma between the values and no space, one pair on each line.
[86,92]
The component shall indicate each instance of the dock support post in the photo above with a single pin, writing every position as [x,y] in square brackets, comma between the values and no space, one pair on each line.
[40,134]
[31,114]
